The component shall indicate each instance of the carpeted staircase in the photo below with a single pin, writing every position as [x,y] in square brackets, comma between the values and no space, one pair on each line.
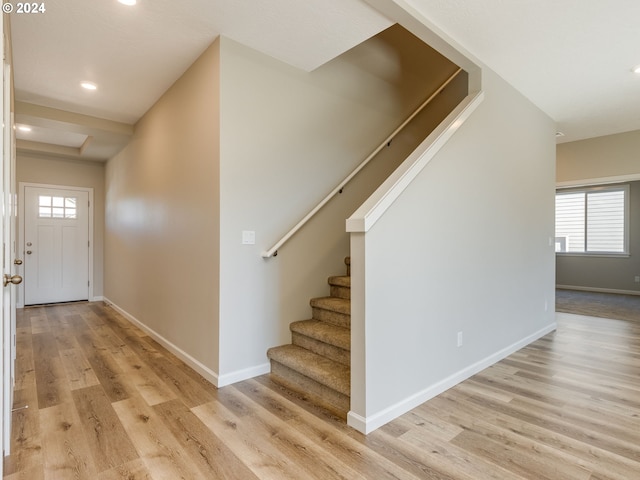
[317,363]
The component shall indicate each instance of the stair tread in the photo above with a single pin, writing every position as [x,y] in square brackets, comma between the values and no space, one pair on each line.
[321,369]
[340,281]
[324,332]
[335,304]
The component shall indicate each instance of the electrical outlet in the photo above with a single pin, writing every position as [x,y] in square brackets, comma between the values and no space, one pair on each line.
[637,278]
[459,339]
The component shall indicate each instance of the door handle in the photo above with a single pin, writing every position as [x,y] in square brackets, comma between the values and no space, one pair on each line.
[15,279]
[17,261]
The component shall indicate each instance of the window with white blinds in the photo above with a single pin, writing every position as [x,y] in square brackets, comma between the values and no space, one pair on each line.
[592,220]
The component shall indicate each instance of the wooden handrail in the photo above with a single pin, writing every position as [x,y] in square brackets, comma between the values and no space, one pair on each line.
[273,251]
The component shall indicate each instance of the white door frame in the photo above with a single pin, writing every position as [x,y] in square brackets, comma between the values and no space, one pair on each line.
[21,218]
[7,232]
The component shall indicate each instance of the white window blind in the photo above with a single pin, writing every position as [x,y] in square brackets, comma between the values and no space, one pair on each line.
[592,220]
[570,221]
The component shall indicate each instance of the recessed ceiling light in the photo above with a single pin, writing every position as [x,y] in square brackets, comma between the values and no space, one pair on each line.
[636,69]
[24,128]
[559,134]
[89,86]
[127,2]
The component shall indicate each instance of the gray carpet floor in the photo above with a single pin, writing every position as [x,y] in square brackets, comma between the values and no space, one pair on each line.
[595,304]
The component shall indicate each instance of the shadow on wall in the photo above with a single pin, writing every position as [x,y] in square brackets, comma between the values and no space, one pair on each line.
[412,71]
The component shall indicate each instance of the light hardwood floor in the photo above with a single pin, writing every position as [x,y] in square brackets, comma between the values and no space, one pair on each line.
[106,402]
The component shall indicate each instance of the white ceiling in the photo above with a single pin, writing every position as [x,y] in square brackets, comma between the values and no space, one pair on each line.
[134,54]
[572,58]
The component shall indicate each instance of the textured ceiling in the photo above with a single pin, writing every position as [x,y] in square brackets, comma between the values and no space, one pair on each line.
[572,58]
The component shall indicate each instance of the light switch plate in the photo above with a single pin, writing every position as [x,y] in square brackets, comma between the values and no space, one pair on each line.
[248,237]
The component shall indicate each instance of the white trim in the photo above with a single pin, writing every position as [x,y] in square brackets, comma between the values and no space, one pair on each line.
[374,207]
[99,298]
[244,374]
[593,190]
[598,290]
[372,422]
[592,255]
[588,182]
[358,422]
[91,211]
[202,369]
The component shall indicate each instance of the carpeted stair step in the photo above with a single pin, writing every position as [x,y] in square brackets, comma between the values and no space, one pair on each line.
[333,310]
[317,363]
[340,286]
[323,338]
[321,380]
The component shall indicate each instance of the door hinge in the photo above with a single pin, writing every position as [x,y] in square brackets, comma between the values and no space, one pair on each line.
[88,283]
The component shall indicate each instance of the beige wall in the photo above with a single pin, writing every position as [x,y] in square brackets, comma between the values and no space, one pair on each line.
[75,173]
[162,216]
[288,138]
[177,206]
[608,158]
[467,247]
[597,158]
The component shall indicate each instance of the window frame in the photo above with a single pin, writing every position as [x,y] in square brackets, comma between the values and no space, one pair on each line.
[592,189]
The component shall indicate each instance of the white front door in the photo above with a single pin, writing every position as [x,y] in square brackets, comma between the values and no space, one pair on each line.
[56,245]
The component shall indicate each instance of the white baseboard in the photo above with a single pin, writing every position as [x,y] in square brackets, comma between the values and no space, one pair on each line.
[368,424]
[598,290]
[245,374]
[202,369]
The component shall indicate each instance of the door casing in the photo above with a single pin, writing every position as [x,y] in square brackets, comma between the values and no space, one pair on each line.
[7,233]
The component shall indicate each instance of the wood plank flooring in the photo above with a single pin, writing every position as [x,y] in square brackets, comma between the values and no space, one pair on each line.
[106,402]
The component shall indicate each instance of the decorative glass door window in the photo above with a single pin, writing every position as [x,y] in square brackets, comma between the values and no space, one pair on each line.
[57,207]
